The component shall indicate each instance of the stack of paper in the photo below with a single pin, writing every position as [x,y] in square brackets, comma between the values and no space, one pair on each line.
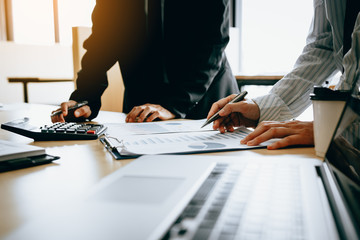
[171,137]
[10,150]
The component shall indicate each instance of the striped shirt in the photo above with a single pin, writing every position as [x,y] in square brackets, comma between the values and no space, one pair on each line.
[321,59]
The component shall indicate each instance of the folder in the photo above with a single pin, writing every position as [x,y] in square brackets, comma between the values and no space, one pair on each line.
[15,156]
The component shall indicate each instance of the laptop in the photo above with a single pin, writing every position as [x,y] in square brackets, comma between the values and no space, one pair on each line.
[221,197]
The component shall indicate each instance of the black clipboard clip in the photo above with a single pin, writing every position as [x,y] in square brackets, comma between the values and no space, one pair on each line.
[113,149]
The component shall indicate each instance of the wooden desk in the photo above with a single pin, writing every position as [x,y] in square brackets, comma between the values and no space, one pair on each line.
[28,193]
[270,80]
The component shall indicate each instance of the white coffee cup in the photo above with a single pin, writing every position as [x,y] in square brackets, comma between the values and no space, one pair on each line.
[327,108]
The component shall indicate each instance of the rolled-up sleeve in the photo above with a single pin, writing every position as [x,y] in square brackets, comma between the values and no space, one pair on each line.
[290,96]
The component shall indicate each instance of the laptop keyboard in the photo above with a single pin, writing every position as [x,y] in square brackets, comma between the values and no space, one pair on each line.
[253,201]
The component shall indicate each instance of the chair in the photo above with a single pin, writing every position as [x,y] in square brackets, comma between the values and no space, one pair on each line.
[112,99]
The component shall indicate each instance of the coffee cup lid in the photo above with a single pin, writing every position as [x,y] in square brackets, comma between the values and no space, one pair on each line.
[323,93]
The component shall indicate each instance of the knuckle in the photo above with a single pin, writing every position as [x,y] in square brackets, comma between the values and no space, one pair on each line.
[266,125]
[273,131]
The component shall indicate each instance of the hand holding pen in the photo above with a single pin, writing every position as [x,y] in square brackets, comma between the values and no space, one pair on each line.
[240,112]
[71,111]
[238,98]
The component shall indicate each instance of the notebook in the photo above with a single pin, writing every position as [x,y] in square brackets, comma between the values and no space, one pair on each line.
[15,156]
[10,150]
[220,197]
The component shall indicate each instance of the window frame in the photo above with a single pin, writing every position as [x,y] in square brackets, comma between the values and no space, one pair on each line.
[6,21]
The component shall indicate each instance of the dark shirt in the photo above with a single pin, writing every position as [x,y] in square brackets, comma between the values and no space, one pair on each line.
[173,55]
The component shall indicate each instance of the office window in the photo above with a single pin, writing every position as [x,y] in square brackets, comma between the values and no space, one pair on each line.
[33,21]
[73,13]
[273,34]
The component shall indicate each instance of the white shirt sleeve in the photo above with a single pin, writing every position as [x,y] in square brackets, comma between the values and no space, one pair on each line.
[290,96]
[351,60]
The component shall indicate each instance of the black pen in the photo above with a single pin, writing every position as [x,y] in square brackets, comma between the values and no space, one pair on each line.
[77,105]
[238,98]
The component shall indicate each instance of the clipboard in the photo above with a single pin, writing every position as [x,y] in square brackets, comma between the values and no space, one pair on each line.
[113,149]
[133,146]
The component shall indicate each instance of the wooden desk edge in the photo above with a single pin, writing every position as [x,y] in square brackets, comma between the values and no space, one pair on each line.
[258,77]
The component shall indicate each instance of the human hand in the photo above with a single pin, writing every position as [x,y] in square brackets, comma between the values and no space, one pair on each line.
[83,111]
[243,113]
[148,113]
[291,132]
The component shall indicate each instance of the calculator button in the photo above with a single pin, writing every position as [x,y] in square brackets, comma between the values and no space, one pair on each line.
[91,132]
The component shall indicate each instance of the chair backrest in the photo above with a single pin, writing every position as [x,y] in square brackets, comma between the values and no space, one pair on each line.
[113,97]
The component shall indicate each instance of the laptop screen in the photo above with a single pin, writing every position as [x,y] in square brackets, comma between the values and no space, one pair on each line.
[343,154]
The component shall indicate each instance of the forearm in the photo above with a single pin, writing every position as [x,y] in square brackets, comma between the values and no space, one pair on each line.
[290,96]
[100,47]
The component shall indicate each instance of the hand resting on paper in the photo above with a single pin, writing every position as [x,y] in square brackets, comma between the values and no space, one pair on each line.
[290,132]
[148,113]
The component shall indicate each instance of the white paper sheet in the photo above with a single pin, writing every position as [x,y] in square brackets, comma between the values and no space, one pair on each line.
[181,142]
[11,150]
[121,129]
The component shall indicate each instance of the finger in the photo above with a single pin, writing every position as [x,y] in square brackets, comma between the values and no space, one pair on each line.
[83,112]
[65,105]
[260,129]
[57,118]
[276,132]
[223,121]
[230,128]
[228,124]
[128,116]
[239,107]
[62,118]
[219,104]
[152,116]
[225,126]
[217,123]
[222,129]
[134,113]
[287,141]
[146,111]
[64,108]
[214,108]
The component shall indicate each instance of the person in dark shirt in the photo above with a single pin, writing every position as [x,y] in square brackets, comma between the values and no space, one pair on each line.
[171,56]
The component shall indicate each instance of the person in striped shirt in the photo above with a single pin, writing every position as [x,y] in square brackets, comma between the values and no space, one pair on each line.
[333,45]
